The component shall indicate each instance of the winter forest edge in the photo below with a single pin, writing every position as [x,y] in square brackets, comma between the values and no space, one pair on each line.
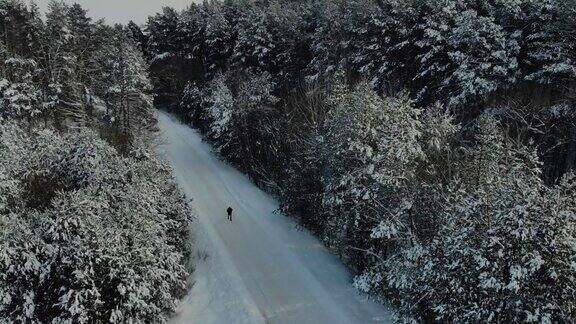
[429,144]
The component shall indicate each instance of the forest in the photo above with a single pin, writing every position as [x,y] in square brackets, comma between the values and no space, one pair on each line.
[93,228]
[429,144]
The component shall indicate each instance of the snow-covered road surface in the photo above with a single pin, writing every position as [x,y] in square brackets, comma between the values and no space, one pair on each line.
[260,268]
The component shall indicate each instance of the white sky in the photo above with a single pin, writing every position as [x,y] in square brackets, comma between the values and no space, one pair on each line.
[122,11]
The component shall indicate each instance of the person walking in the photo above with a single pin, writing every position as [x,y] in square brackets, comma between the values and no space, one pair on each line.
[229,211]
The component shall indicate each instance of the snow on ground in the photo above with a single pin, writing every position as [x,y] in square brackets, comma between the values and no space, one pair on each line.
[260,268]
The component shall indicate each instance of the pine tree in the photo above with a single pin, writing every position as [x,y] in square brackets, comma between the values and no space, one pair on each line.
[174,51]
[383,49]
[465,56]
[254,46]
[20,28]
[130,105]
[549,54]
[138,35]
[162,31]
[81,43]
[219,43]
[192,30]
[371,154]
[21,95]
[71,210]
[64,90]
[220,110]
[192,104]
[503,251]
[327,40]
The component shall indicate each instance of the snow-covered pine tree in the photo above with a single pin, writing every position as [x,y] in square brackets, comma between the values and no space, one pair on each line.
[234,109]
[254,123]
[175,50]
[192,104]
[162,31]
[220,107]
[371,154]
[287,26]
[20,28]
[85,235]
[327,39]
[504,252]
[254,46]
[81,43]
[137,35]
[549,56]
[465,56]
[219,43]
[64,87]
[381,46]
[127,93]
[20,69]
[191,30]
[19,90]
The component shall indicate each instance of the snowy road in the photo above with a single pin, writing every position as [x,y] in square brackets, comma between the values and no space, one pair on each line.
[259,269]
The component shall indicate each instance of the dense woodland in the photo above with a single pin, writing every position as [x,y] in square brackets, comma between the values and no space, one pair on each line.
[430,144]
[93,229]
